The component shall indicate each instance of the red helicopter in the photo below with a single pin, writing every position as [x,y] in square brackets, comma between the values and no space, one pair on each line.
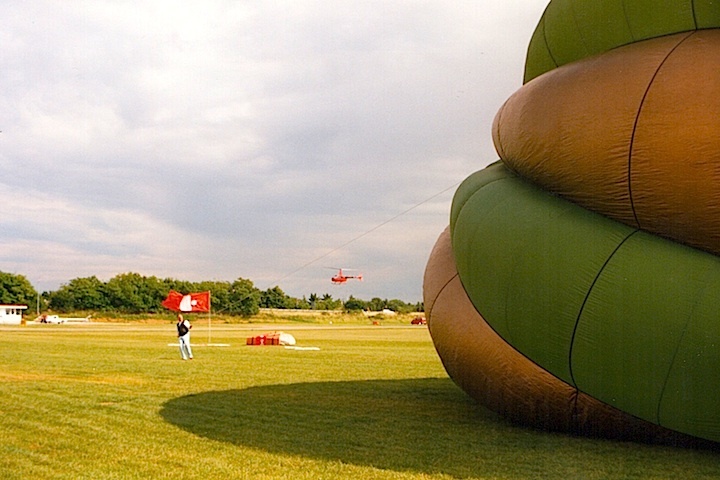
[340,278]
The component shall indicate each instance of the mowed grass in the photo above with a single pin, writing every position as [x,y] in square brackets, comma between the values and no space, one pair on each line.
[114,401]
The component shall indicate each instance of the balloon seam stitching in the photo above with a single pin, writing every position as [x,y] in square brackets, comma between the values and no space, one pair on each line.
[580,32]
[627,22]
[675,354]
[442,289]
[544,35]
[587,296]
[462,206]
[635,127]
[499,146]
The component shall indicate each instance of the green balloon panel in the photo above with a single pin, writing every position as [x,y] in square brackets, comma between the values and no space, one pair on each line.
[570,30]
[625,316]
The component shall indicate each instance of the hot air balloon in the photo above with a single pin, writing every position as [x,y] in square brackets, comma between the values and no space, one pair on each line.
[577,287]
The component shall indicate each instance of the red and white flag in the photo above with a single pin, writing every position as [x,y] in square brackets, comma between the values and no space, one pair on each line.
[192,302]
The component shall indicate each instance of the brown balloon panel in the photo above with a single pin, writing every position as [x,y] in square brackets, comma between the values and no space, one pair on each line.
[633,134]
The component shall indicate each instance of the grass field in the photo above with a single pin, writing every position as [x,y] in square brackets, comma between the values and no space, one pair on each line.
[114,401]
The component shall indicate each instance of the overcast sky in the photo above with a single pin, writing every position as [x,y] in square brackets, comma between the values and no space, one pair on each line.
[259,139]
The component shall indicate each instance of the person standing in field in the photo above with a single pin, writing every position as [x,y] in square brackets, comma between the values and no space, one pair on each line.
[183,329]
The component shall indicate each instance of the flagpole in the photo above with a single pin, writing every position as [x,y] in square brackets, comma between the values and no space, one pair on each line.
[209,315]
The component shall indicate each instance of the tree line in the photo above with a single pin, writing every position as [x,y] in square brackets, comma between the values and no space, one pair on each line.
[133,293]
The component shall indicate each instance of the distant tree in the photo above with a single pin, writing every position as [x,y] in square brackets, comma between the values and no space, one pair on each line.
[152,294]
[273,298]
[134,293]
[86,293]
[244,298]
[298,303]
[353,303]
[219,293]
[399,306]
[16,289]
[182,286]
[61,300]
[376,304]
[313,300]
[328,303]
[44,302]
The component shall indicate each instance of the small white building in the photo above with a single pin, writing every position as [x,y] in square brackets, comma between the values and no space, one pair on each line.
[11,314]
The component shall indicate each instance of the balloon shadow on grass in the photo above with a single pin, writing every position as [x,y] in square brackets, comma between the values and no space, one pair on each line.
[414,425]
[421,425]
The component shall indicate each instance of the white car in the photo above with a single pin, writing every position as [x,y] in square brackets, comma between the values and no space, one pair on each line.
[51,319]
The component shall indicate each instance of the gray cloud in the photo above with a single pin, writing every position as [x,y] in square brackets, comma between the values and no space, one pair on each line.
[246,139]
